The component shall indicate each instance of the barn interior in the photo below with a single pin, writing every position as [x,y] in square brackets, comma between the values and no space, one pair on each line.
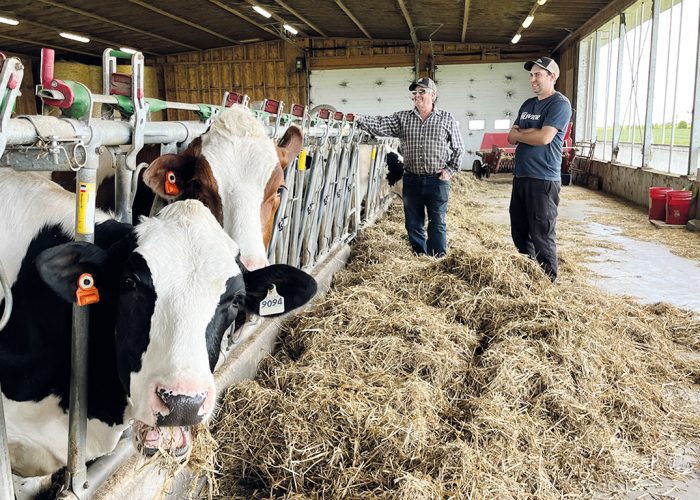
[630,68]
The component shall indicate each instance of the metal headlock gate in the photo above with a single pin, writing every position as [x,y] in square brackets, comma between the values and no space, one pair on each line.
[321,205]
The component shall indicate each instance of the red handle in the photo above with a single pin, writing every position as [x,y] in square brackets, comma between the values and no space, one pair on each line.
[47,56]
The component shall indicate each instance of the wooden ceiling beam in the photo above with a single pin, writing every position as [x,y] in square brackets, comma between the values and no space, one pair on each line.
[54,29]
[115,23]
[300,17]
[353,18]
[465,19]
[411,29]
[238,13]
[276,18]
[183,21]
[50,45]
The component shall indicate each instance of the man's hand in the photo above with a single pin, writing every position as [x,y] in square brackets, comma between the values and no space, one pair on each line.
[445,175]
[513,134]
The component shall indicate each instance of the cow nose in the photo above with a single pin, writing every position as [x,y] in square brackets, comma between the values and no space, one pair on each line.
[184,409]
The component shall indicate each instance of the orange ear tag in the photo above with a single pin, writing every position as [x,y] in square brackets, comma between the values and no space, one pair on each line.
[86,293]
[170,185]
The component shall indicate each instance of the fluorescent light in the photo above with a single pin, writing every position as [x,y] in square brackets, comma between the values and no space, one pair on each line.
[528,21]
[7,20]
[77,38]
[516,38]
[293,31]
[128,50]
[262,11]
[541,2]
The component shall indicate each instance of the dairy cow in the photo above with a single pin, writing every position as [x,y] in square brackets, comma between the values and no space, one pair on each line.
[236,171]
[168,289]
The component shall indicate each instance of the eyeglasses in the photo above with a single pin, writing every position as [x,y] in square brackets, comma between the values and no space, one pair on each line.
[421,91]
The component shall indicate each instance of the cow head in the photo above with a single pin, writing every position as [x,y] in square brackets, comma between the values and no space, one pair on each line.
[173,286]
[236,171]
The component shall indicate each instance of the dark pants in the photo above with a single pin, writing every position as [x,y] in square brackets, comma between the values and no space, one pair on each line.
[421,194]
[533,220]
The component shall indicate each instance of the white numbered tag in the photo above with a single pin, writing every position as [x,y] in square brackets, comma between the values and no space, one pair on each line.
[272,304]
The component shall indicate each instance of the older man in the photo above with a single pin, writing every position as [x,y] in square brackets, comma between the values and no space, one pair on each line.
[538,132]
[432,149]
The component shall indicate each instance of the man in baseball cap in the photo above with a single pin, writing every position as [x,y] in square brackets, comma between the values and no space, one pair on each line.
[432,149]
[538,131]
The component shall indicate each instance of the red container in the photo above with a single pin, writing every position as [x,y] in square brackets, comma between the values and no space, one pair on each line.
[657,202]
[678,206]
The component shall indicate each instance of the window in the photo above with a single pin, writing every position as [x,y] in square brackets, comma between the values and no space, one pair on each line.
[501,124]
[477,124]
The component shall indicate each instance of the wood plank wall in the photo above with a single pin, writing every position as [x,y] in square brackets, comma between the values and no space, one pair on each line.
[261,70]
[26,103]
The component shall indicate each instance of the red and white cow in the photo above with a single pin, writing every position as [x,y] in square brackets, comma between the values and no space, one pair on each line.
[236,171]
[168,290]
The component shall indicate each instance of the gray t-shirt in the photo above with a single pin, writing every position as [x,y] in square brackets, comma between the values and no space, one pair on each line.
[542,162]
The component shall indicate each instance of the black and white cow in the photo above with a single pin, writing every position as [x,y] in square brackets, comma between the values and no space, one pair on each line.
[168,289]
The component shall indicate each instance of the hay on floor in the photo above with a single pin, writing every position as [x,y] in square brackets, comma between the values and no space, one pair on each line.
[469,376]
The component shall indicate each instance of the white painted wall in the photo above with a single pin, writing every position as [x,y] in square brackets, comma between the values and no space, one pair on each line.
[485,92]
[367,91]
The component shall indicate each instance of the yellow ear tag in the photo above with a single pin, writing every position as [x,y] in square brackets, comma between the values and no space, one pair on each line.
[170,184]
[87,292]
[273,303]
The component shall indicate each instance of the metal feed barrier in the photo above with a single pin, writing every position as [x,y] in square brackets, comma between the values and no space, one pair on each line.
[321,206]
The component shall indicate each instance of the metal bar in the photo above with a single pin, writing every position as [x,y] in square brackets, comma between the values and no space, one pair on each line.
[694,156]
[622,34]
[302,18]
[607,91]
[465,19]
[651,85]
[666,73]
[675,89]
[411,29]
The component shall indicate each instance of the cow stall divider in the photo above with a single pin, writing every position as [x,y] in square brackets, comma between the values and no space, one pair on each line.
[320,212]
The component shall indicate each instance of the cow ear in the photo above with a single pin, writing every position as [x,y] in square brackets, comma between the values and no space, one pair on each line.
[296,286]
[289,145]
[61,266]
[166,175]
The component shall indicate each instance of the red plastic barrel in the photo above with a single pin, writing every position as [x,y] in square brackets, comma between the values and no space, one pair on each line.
[657,202]
[678,206]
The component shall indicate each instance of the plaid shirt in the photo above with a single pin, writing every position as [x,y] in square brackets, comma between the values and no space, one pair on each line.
[427,146]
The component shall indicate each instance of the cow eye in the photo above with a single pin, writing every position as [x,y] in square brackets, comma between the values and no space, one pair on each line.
[128,283]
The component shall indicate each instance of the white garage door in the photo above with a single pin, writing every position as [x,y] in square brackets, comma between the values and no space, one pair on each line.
[369,91]
[482,97]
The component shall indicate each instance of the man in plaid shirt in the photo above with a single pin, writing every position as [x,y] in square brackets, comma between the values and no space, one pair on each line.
[432,148]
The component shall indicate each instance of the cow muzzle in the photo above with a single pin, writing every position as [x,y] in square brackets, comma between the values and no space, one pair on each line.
[182,409]
[173,441]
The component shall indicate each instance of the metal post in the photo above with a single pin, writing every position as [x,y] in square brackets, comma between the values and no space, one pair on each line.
[618,86]
[651,80]
[675,90]
[694,159]
[6,486]
[76,474]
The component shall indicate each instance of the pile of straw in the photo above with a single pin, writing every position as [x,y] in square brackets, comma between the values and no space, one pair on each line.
[469,376]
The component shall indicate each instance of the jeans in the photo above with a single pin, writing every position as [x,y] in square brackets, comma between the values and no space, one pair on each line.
[533,220]
[421,194]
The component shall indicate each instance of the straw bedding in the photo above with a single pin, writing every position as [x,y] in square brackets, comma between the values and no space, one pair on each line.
[469,376]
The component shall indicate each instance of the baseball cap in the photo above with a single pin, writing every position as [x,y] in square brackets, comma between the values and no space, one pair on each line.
[424,82]
[544,63]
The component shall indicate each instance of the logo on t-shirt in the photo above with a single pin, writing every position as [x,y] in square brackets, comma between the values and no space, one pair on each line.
[528,116]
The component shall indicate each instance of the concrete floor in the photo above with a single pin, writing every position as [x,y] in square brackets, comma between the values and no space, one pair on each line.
[645,270]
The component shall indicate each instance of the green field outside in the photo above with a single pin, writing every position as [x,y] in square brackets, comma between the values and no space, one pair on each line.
[681,135]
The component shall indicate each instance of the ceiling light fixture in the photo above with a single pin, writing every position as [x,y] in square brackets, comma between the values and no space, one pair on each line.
[10,21]
[262,11]
[541,2]
[515,39]
[528,21]
[289,28]
[72,36]
[128,50]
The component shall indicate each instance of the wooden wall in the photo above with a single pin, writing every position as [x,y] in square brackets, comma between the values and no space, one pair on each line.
[261,70]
